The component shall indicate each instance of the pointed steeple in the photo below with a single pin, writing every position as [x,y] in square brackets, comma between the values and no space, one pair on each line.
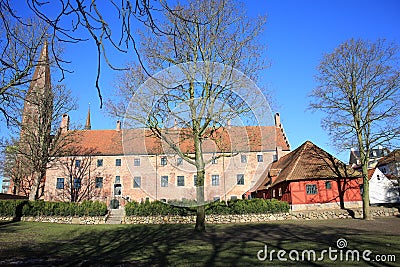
[88,126]
[41,76]
[39,97]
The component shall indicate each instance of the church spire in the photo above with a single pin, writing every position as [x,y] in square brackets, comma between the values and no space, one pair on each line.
[88,126]
[39,98]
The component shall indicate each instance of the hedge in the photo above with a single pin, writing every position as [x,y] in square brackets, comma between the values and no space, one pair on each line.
[240,206]
[19,208]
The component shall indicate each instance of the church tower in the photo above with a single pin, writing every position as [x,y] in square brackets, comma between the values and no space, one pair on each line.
[35,132]
[38,105]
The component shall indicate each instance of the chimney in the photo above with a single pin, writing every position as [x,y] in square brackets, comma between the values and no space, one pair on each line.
[64,123]
[228,123]
[279,153]
[118,128]
[278,120]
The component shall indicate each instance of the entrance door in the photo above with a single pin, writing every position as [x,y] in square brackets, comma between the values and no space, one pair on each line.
[117,189]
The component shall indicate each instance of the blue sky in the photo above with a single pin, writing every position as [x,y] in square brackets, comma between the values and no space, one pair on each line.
[298,33]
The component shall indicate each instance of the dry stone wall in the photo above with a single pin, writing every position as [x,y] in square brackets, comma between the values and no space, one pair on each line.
[220,219]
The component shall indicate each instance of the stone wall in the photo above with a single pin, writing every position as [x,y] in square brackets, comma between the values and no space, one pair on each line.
[253,218]
[60,219]
[221,219]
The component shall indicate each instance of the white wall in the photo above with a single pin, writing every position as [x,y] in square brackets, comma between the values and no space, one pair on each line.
[382,190]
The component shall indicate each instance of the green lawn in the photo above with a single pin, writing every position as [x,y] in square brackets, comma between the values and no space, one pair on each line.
[40,244]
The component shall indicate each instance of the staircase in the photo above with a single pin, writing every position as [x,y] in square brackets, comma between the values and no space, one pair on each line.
[116,216]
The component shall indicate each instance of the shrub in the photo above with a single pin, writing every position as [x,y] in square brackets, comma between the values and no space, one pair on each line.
[174,207]
[40,208]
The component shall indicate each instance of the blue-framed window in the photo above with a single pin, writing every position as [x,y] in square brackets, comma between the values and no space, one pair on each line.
[99,182]
[60,183]
[99,162]
[215,180]
[164,181]
[137,182]
[311,189]
[136,162]
[181,180]
[77,182]
[240,179]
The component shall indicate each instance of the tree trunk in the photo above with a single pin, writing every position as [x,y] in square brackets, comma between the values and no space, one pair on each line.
[201,211]
[200,219]
[365,197]
[364,158]
[35,186]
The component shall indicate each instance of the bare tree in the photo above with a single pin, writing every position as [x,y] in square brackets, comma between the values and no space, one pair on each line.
[82,181]
[110,24]
[201,92]
[358,89]
[41,141]
[20,43]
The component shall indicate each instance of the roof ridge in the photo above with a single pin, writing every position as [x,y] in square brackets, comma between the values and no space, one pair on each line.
[303,147]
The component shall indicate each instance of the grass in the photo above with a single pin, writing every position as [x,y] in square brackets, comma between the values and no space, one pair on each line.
[40,244]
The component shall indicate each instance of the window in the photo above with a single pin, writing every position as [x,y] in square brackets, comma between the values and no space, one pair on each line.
[77,163]
[280,192]
[195,180]
[274,158]
[311,189]
[328,185]
[117,190]
[99,182]
[99,162]
[273,192]
[117,179]
[260,158]
[60,183]
[240,179]
[164,181]
[136,162]
[215,180]
[233,197]
[181,180]
[179,161]
[243,158]
[216,198]
[77,182]
[117,162]
[137,182]
[214,160]
[163,161]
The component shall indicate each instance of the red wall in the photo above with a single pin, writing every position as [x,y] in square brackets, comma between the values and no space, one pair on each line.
[295,192]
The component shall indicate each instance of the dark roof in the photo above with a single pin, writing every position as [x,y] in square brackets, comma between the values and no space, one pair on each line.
[393,156]
[307,162]
[375,153]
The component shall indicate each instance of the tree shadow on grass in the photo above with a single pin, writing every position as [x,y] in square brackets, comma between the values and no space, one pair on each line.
[221,245]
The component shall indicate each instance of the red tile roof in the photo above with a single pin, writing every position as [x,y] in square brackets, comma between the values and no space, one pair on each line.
[304,163]
[143,141]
